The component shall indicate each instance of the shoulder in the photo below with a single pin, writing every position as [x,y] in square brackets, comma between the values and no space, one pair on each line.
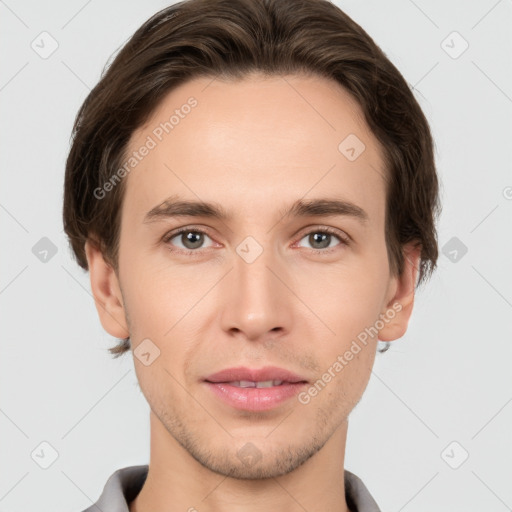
[121,488]
[357,495]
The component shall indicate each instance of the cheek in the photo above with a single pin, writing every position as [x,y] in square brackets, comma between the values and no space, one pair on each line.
[157,295]
[347,298]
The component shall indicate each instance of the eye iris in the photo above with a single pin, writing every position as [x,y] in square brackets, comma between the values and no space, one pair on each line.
[323,238]
[192,239]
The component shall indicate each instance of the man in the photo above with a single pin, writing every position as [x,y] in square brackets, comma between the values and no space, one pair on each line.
[252,188]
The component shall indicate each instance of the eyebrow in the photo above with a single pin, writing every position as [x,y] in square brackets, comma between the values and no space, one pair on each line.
[177,207]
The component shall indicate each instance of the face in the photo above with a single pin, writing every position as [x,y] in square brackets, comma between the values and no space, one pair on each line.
[264,285]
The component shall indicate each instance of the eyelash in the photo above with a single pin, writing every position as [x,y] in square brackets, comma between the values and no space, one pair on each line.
[196,252]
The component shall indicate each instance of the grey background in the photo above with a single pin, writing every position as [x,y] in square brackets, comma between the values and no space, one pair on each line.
[447,380]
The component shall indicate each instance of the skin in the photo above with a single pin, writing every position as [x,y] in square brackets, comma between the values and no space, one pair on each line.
[255,146]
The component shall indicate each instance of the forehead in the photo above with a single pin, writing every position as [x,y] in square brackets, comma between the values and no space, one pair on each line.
[253,143]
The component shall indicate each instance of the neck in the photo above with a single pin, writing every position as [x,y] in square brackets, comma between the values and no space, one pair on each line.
[178,482]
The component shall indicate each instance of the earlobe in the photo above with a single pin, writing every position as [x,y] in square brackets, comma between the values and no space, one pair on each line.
[106,292]
[399,307]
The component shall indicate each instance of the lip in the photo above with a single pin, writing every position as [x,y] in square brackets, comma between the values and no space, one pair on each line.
[255,375]
[255,399]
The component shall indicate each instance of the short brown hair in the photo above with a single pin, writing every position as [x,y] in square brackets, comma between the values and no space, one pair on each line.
[231,39]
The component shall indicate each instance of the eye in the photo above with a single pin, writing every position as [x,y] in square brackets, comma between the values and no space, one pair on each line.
[324,239]
[190,239]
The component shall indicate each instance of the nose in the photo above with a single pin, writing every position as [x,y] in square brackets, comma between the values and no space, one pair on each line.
[258,304]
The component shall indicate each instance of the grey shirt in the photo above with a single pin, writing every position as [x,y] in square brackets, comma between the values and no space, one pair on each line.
[124,484]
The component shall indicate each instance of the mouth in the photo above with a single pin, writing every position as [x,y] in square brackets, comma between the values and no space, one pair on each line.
[255,389]
[257,384]
[267,376]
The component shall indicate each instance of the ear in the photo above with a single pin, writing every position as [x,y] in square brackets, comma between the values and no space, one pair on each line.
[402,289]
[106,292]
